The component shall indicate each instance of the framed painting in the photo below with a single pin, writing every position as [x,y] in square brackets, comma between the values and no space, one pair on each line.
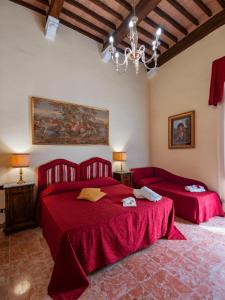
[181,130]
[62,123]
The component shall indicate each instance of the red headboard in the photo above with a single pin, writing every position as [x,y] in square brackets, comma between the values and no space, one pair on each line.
[95,167]
[58,170]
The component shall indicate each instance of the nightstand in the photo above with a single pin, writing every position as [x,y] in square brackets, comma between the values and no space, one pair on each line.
[19,207]
[124,177]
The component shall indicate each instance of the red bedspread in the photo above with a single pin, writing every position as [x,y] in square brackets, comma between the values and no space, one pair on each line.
[84,236]
[196,207]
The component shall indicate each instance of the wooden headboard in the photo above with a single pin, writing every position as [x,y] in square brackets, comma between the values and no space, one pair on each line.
[58,170]
[62,170]
[95,167]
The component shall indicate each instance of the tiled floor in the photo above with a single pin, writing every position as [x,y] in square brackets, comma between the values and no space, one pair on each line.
[191,269]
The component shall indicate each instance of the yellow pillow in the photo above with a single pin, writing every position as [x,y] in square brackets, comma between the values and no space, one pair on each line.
[91,194]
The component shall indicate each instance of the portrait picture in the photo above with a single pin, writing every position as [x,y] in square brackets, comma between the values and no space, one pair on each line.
[182,130]
[59,123]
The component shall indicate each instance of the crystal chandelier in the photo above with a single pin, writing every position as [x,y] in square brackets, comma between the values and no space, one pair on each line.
[133,53]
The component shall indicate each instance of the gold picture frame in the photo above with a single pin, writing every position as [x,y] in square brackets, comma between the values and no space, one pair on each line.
[57,122]
[181,131]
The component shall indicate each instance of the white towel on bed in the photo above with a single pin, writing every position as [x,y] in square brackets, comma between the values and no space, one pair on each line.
[129,201]
[138,194]
[150,194]
[195,188]
[147,193]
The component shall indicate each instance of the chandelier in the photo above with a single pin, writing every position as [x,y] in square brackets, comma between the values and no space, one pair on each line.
[133,53]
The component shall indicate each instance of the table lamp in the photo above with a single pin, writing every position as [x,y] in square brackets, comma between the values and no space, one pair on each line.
[120,156]
[20,160]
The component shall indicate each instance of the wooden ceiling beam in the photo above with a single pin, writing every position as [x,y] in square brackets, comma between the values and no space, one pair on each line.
[91,13]
[84,21]
[44,2]
[82,31]
[153,24]
[55,8]
[142,9]
[152,37]
[30,6]
[222,3]
[196,35]
[108,9]
[170,20]
[203,7]
[125,4]
[150,22]
[184,11]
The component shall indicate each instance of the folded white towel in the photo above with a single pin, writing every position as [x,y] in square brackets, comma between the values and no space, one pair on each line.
[138,194]
[146,193]
[150,194]
[195,188]
[129,201]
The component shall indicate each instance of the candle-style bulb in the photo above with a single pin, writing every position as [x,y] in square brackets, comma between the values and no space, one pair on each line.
[158,31]
[111,39]
[131,24]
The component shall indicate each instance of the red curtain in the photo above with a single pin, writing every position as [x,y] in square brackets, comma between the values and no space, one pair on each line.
[217,81]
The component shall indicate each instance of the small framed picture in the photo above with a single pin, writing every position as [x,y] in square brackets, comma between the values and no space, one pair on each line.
[181,130]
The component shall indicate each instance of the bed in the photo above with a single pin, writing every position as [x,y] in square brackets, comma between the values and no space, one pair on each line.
[84,236]
[191,206]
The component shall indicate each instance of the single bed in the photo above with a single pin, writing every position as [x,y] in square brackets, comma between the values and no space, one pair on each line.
[192,206]
[84,236]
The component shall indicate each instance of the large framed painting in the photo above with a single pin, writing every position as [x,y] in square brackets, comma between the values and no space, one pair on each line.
[62,123]
[182,130]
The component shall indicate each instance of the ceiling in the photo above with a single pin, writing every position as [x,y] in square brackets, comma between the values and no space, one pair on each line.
[184,22]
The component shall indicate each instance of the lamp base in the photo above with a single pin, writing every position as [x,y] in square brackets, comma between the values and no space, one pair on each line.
[121,167]
[21,181]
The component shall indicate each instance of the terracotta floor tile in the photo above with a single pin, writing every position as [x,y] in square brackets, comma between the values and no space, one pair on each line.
[137,294]
[181,270]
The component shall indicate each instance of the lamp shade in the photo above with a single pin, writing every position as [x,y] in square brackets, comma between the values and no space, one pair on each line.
[120,156]
[20,160]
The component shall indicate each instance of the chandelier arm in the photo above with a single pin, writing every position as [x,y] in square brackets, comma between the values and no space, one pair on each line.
[150,60]
[126,52]
[124,70]
[149,68]
[117,62]
[142,48]
[145,62]
[154,56]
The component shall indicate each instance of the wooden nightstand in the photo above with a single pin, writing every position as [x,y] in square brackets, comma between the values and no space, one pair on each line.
[19,207]
[124,177]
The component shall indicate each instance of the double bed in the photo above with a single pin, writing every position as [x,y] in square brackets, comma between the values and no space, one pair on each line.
[84,236]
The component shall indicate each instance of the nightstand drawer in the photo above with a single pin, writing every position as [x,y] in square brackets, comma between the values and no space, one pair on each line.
[19,208]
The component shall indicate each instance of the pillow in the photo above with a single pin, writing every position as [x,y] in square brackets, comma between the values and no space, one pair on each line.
[148,181]
[91,194]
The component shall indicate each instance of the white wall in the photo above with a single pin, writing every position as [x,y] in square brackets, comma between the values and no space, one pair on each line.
[182,85]
[68,69]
